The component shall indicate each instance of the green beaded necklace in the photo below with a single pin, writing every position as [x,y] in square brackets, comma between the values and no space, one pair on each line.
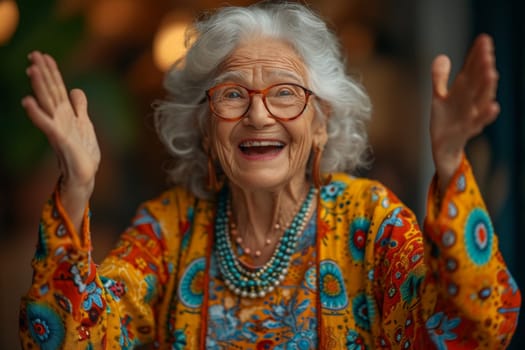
[256,282]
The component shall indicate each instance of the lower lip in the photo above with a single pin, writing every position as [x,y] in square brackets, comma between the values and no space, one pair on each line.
[262,156]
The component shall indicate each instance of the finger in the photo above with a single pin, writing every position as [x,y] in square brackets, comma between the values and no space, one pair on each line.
[485,116]
[79,102]
[471,81]
[40,89]
[40,63]
[487,87]
[482,45]
[56,76]
[45,124]
[482,61]
[488,114]
[38,116]
[487,79]
[440,75]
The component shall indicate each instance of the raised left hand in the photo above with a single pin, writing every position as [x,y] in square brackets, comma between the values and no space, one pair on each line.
[463,110]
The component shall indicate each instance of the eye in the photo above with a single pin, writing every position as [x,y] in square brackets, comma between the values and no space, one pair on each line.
[232,93]
[285,91]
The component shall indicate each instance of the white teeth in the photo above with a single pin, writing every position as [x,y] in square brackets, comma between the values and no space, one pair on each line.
[255,143]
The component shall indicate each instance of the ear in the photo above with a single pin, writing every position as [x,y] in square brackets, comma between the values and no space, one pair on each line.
[320,124]
[320,131]
[325,108]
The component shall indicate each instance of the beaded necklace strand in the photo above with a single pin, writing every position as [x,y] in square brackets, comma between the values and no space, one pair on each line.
[237,238]
[256,283]
[258,286]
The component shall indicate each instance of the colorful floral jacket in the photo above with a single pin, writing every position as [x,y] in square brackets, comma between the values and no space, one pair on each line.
[383,283]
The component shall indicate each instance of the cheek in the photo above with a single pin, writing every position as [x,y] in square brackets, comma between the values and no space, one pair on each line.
[222,147]
[301,146]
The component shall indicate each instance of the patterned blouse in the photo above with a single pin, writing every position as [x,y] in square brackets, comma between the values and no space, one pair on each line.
[382,282]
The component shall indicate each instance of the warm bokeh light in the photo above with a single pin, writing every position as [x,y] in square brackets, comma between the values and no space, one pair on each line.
[114,18]
[8,20]
[168,45]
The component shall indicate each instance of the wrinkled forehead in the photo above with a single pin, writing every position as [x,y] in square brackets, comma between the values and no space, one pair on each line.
[266,58]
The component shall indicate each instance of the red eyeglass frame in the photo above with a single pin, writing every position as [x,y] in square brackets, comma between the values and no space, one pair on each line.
[251,93]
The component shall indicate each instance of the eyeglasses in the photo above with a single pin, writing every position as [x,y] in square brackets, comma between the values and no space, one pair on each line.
[284,101]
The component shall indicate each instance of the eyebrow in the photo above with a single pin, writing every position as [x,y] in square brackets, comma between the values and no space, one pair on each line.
[239,76]
[229,75]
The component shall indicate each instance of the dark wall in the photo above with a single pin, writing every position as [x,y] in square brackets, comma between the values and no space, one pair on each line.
[504,21]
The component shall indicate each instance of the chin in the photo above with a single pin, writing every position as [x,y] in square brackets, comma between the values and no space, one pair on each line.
[261,181]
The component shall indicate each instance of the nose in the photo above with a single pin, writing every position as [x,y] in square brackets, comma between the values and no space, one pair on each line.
[258,116]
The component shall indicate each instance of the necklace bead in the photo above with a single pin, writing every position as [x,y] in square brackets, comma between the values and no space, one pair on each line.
[256,282]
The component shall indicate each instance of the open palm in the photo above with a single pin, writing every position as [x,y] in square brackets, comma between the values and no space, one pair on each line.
[64,119]
[463,110]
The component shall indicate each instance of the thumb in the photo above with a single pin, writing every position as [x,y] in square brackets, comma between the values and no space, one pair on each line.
[79,102]
[440,74]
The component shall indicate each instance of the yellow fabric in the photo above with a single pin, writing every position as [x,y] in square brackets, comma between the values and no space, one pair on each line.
[384,284]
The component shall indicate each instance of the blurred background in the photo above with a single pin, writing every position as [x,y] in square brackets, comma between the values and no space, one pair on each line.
[118,50]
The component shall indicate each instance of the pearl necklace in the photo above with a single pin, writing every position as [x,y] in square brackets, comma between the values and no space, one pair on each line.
[238,239]
[259,281]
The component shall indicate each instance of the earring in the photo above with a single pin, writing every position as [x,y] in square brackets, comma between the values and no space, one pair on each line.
[213,184]
[316,169]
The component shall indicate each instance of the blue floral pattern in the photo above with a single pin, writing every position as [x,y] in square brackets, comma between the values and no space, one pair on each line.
[191,288]
[179,342]
[144,217]
[354,341]
[310,278]
[127,340]
[479,235]
[333,290]
[223,326]
[302,340]
[440,329]
[357,240]
[392,220]
[410,287]
[308,236]
[282,320]
[45,326]
[94,297]
[151,281]
[363,310]
[331,191]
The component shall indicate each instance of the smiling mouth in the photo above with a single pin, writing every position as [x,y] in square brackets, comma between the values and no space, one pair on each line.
[258,147]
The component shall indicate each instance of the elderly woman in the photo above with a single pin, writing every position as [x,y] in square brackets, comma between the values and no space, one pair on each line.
[254,248]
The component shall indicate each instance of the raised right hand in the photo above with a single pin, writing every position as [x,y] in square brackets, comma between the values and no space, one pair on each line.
[64,120]
[463,109]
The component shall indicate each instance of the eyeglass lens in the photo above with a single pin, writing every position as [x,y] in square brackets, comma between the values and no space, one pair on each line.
[282,101]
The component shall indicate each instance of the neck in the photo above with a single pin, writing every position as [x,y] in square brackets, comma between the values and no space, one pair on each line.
[256,213]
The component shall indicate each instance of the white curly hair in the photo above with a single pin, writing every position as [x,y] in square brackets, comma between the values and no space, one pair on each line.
[180,119]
